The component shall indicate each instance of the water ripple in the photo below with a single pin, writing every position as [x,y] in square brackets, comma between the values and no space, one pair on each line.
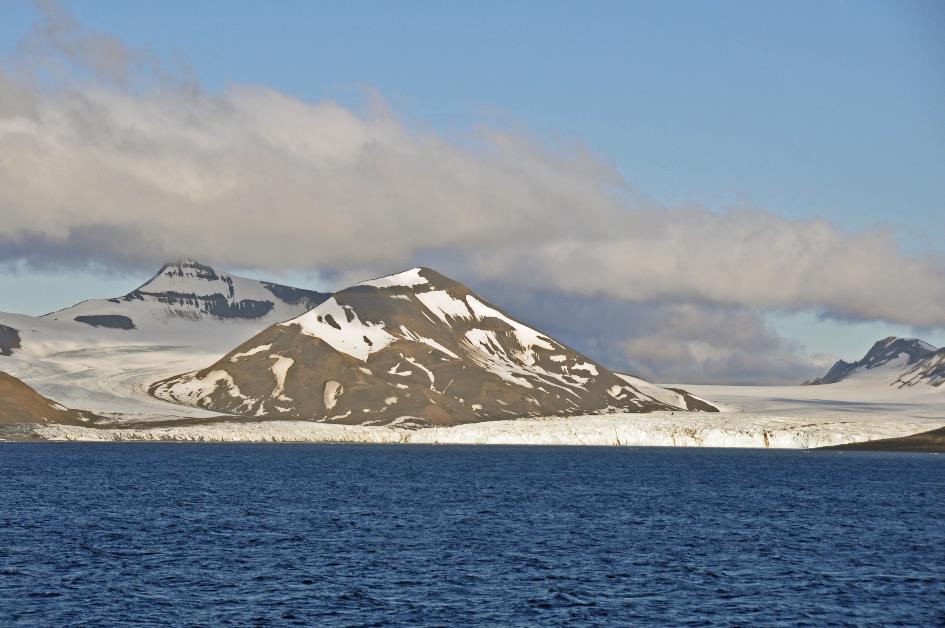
[183,534]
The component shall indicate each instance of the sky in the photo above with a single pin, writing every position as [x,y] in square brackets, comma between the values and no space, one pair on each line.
[726,191]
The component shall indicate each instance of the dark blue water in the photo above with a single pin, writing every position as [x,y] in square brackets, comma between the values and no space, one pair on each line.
[164,534]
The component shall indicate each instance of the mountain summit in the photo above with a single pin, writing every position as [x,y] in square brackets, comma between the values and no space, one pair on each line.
[190,289]
[102,354]
[415,347]
[895,361]
[187,289]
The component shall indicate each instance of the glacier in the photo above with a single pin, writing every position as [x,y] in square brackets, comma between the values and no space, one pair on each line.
[658,429]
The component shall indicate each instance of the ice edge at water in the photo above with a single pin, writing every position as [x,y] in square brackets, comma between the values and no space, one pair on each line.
[621,429]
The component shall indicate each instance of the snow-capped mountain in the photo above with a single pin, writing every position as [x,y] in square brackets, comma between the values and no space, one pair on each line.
[181,291]
[189,289]
[412,348]
[102,354]
[900,362]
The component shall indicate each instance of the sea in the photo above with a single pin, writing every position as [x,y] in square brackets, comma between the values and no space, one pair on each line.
[169,534]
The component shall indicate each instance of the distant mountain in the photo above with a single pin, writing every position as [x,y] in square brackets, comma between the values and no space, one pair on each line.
[899,362]
[412,348]
[21,404]
[102,354]
[185,290]
[189,289]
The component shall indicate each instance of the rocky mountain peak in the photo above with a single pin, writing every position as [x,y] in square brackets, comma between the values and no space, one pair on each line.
[897,354]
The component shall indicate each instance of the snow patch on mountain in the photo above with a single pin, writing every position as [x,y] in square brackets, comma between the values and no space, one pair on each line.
[280,368]
[443,305]
[527,337]
[253,351]
[196,391]
[343,330]
[333,390]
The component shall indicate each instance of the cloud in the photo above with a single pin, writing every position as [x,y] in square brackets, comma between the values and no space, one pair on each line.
[125,166]
[58,45]
[691,343]
[254,177]
[716,345]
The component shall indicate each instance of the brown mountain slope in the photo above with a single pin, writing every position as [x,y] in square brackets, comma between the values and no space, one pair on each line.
[21,404]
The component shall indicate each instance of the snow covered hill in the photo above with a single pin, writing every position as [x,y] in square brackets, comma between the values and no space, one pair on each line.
[102,354]
[413,348]
[898,362]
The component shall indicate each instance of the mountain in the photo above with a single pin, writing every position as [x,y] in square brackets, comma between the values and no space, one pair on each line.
[929,371]
[21,404]
[191,290]
[184,290]
[899,362]
[414,348]
[102,354]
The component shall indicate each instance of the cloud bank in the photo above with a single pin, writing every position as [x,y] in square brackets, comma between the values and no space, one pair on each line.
[112,169]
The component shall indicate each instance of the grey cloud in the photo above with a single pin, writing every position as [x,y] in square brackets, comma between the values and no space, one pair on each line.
[689,343]
[89,247]
[716,345]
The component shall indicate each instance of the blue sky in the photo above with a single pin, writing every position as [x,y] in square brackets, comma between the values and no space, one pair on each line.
[828,110]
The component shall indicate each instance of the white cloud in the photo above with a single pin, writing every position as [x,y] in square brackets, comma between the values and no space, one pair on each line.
[252,177]
[120,170]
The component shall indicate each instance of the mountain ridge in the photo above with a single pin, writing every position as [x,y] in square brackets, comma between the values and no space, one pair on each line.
[184,290]
[191,289]
[904,362]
